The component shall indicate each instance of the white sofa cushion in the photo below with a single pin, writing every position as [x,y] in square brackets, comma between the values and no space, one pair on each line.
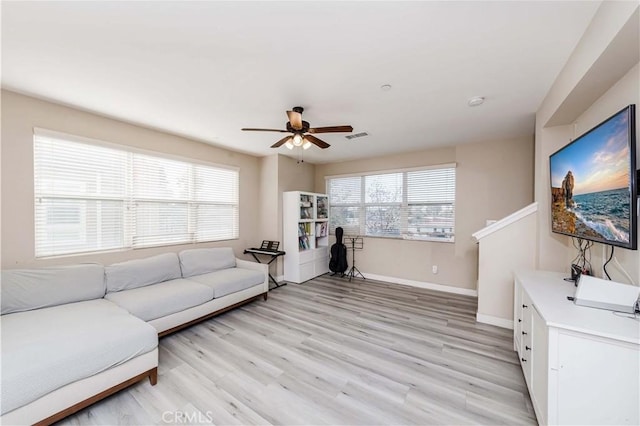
[142,272]
[26,289]
[205,260]
[159,300]
[45,349]
[227,281]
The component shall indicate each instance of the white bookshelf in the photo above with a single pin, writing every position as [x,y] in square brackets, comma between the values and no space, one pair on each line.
[305,227]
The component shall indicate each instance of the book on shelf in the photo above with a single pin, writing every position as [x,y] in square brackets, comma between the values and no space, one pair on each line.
[322,229]
[304,229]
[303,243]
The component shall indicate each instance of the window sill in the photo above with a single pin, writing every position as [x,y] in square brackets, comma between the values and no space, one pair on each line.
[409,238]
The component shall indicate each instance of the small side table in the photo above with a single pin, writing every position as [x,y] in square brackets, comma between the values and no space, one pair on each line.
[274,255]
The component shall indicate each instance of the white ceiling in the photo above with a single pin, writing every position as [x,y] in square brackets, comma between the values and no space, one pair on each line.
[206,69]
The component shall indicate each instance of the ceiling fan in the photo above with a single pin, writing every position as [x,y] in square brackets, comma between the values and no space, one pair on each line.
[301,132]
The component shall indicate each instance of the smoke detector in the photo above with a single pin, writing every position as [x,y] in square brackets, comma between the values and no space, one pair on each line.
[475,101]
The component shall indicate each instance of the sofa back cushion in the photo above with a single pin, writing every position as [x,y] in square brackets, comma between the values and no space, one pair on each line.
[205,260]
[142,272]
[28,289]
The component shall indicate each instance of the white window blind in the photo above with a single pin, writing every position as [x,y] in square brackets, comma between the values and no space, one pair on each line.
[383,204]
[90,198]
[410,204]
[345,197]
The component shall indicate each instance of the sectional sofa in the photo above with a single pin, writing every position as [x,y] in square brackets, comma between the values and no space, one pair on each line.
[72,335]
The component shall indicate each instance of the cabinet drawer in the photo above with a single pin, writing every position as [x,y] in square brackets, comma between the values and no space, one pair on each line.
[321,266]
[307,271]
[321,252]
[306,256]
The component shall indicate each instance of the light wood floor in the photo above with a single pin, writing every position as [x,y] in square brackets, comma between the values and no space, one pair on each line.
[332,352]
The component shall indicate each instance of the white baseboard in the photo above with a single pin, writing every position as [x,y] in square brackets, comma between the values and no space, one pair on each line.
[422,284]
[279,278]
[500,322]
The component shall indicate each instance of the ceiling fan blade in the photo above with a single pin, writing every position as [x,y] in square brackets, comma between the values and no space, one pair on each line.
[295,118]
[265,130]
[317,142]
[331,129]
[281,142]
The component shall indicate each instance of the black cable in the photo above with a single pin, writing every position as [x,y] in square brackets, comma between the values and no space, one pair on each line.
[604,267]
[587,257]
[575,259]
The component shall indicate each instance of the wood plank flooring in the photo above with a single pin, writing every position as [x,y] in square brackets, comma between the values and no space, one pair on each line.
[333,352]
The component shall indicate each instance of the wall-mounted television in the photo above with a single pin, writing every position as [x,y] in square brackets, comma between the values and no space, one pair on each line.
[593,184]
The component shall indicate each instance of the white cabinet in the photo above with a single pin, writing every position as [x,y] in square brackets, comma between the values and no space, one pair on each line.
[539,362]
[524,337]
[581,365]
[305,226]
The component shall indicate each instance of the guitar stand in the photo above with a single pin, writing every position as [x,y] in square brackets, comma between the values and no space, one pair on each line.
[356,243]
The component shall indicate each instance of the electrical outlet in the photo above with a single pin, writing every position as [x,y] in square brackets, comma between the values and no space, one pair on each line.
[434,269]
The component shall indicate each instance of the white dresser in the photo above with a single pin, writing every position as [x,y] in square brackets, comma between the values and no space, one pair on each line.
[581,365]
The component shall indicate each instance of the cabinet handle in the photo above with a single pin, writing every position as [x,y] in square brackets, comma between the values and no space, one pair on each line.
[523,360]
[524,333]
[525,306]
[519,320]
[527,348]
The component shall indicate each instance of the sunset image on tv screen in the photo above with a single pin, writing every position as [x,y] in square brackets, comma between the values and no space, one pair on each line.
[591,184]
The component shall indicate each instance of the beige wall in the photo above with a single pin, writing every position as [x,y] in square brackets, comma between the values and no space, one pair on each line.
[626,91]
[493,179]
[20,114]
[572,107]
[292,176]
[279,173]
[269,208]
[502,253]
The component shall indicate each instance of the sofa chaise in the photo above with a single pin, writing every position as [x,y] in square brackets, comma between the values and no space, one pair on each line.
[72,335]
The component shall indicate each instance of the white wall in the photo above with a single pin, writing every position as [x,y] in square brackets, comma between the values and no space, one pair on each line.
[600,78]
[20,114]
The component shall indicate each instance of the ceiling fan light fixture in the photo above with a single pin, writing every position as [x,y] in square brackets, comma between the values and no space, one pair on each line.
[302,134]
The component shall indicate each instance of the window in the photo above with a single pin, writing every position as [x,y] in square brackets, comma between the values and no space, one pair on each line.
[91,197]
[345,204]
[414,204]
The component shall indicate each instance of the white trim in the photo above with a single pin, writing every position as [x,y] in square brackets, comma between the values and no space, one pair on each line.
[54,134]
[381,172]
[279,278]
[422,284]
[506,221]
[500,322]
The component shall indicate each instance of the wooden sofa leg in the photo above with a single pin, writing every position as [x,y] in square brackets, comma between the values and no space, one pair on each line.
[153,376]
[265,295]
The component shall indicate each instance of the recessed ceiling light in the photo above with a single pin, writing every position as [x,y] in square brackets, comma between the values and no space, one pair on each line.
[476,100]
[385,87]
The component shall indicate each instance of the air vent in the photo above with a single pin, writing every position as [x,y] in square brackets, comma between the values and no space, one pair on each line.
[357,135]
